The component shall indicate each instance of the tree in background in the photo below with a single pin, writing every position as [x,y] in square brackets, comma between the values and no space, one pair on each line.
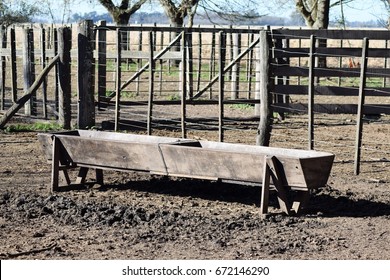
[177,11]
[59,11]
[122,11]
[387,6]
[16,11]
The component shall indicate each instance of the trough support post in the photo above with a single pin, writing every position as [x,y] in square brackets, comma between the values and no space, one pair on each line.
[263,90]
[29,70]
[221,82]
[359,126]
[102,60]
[276,176]
[64,97]
[310,109]
[85,83]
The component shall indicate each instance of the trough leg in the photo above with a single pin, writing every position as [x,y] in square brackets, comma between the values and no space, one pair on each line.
[301,201]
[276,178]
[265,189]
[99,176]
[82,175]
[55,165]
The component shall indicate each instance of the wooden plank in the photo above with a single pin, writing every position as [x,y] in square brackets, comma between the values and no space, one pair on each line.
[369,109]
[351,34]
[331,52]
[282,70]
[331,90]
[113,154]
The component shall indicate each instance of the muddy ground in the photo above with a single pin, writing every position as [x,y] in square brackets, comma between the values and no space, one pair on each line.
[139,216]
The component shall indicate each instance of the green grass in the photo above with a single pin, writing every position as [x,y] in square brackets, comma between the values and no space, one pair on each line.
[33,127]
[241,106]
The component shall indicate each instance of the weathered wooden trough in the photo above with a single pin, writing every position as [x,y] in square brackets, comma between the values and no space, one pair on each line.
[286,170]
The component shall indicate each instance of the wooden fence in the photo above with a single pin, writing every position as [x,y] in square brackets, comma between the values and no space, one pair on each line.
[122,68]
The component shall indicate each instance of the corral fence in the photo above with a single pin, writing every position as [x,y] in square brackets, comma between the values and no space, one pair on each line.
[151,77]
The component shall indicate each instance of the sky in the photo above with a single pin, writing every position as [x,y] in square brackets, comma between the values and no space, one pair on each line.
[357,10]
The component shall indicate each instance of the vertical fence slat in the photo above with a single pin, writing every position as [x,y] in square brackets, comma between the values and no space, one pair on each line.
[102,62]
[362,86]
[56,82]
[14,86]
[221,82]
[118,76]
[29,70]
[3,45]
[235,72]
[43,61]
[199,71]
[310,100]
[183,84]
[151,82]
[212,62]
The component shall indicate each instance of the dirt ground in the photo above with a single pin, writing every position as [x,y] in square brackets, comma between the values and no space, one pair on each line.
[139,216]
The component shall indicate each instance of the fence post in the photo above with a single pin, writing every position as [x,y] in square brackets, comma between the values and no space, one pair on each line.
[263,83]
[221,82]
[85,83]
[64,97]
[359,126]
[29,70]
[102,61]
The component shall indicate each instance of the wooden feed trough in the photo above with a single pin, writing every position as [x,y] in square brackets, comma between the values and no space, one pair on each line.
[286,170]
